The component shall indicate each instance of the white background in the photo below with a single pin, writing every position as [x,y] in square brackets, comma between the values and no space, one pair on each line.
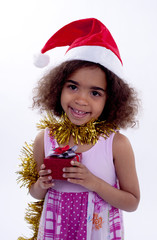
[25,26]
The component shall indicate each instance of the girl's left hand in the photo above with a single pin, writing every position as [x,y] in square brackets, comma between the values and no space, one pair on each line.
[79,174]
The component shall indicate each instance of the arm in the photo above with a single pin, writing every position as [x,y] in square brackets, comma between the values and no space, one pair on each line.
[39,189]
[126,172]
[127,198]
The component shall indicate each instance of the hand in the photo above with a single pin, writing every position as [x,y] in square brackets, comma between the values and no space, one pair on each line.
[79,174]
[45,179]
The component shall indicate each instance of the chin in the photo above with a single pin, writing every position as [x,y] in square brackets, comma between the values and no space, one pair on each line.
[78,122]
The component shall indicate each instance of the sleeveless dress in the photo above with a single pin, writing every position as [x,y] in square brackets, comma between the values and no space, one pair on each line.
[71,211]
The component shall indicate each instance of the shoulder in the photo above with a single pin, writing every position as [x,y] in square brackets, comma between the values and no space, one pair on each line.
[121,144]
[123,154]
[124,159]
[39,141]
[40,137]
[38,148]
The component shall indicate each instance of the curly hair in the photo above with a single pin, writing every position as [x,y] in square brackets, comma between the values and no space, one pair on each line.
[122,102]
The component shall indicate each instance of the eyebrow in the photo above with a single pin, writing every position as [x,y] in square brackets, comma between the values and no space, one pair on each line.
[92,87]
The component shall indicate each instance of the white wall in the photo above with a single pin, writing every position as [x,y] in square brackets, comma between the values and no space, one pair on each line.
[25,27]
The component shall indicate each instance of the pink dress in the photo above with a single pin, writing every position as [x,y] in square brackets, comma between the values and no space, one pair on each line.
[72,212]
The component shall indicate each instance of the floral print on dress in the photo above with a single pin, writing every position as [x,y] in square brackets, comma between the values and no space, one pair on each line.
[97,221]
[99,206]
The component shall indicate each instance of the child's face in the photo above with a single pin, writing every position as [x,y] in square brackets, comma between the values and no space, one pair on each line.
[84,95]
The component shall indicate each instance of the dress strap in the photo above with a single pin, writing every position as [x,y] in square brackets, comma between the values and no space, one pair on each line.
[49,142]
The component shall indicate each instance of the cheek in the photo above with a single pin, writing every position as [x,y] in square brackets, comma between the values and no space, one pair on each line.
[103,107]
[62,100]
[99,107]
[65,99]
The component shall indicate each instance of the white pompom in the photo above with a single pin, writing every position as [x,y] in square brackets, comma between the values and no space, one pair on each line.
[41,60]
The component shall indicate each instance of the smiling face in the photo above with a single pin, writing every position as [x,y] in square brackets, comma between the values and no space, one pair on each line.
[84,95]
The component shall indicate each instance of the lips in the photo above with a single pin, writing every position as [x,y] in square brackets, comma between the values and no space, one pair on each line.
[78,113]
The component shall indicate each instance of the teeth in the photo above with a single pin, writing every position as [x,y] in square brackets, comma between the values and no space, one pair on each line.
[79,112]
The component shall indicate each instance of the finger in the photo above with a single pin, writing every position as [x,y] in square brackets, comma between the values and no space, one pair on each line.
[75,181]
[44,172]
[47,185]
[71,169]
[46,182]
[45,179]
[73,175]
[76,164]
[42,166]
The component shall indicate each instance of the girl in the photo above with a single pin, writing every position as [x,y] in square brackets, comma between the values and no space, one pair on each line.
[88,91]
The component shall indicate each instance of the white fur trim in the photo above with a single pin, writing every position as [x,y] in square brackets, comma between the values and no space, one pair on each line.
[96,54]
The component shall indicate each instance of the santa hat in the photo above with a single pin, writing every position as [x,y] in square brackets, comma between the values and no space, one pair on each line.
[89,40]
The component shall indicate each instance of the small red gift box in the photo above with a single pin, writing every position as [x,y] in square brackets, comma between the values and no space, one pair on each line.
[59,159]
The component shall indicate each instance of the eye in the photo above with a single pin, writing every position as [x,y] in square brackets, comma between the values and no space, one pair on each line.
[96,93]
[72,87]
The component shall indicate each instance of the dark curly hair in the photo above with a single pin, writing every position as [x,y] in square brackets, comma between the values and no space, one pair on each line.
[121,106]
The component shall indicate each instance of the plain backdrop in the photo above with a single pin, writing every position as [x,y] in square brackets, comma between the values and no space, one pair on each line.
[25,26]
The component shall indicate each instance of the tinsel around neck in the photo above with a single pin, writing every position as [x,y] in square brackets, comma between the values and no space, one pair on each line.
[62,129]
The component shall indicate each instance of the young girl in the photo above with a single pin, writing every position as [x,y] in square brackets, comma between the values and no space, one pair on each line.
[86,92]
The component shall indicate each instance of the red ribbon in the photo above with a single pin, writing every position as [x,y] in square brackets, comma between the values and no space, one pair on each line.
[60,150]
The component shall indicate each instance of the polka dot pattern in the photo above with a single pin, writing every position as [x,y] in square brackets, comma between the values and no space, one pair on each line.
[74,215]
[66,216]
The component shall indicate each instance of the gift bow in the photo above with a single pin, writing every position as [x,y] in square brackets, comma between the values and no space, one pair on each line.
[60,150]
[64,152]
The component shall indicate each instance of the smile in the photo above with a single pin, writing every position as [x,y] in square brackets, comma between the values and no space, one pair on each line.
[78,113]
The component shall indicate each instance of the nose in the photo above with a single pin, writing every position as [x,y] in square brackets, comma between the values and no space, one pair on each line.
[81,99]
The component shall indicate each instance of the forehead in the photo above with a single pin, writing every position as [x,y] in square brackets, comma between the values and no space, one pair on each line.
[89,76]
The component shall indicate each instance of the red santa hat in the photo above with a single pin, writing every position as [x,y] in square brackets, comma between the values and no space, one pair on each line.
[89,40]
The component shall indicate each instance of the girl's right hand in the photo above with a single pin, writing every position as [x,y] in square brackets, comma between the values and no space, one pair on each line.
[45,179]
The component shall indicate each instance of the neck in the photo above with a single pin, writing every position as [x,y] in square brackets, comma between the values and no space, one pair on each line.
[66,132]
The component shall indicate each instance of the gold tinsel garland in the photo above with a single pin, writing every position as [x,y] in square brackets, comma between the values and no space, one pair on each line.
[85,134]
[28,173]
[32,217]
[61,130]
[27,176]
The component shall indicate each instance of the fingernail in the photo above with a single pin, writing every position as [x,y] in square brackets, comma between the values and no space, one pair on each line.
[49,171]
[49,177]
[42,166]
